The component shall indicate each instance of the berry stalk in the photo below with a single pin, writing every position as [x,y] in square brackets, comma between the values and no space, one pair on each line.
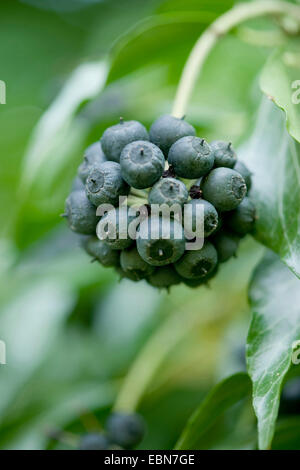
[219,28]
[136,201]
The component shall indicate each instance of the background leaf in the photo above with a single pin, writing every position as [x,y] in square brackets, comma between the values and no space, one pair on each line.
[280,80]
[52,138]
[223,396]
[287,434]
[274,298]
[273,156]
[164,38]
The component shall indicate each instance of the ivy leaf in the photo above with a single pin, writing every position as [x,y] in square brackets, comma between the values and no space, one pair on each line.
[165,38]
[275,325]
[280,81]
[287,434]
[52,138]
[223,396]
[273,156]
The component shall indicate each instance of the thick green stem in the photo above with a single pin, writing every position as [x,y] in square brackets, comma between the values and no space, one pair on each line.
[214,32]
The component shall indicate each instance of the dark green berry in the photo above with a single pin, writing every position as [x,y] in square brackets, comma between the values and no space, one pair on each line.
[93,155]
[224,155]
[81,213]
[115,224]
[102,252]
[164,277]
[209,213]
[290,398]
[242,219]
[191,157]
[115,138]
[126,275]
[220,223]
[197,264]
[157,248]
[94,441]
[167,129]
[193,283]
[142,164]
[105,184]
[224,188]
[126,430]
[226,244]
[132,263]
[241,168]
[77,184]
[168,191]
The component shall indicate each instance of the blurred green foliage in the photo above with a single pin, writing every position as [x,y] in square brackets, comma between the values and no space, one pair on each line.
[72,331]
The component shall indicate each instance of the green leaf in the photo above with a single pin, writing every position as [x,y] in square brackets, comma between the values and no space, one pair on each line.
[165,38]
[219,6]
[275,325]
[224,395]
[280,81]
[287,434]
[53,138]
[273,156]
[160,39]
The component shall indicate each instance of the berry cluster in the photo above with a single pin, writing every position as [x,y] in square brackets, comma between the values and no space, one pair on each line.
[124,431]
[165,166]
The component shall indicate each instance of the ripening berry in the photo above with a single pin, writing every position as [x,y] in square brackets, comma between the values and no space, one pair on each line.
[210,216]
[197,264]
[224,155]
[193,283]
[164,277]
[104,184]
[241,168]
[226,244]
[81,213]
[134,265]
[290,398]
[94,441]
[142,164]
[126,430]
[166,130]
[191,157]
[224,188]
[115,138]
[115,225]
[101,251]
[93,155]
[126,275]
[77,184]
[157,248]
[242,219]
[168,191]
